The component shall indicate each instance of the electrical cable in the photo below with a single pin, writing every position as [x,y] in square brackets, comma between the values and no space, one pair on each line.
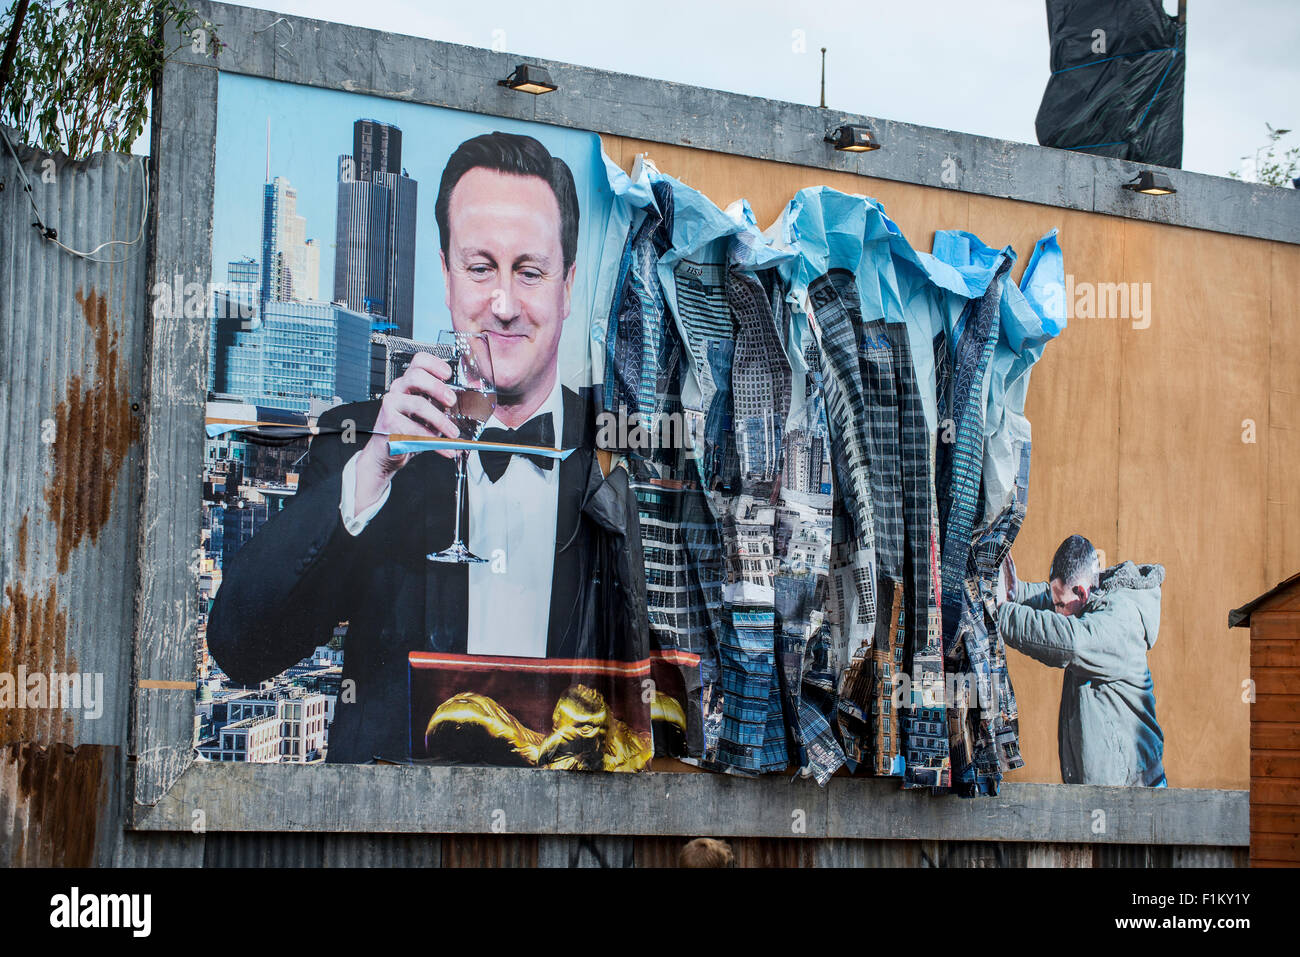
[50,234]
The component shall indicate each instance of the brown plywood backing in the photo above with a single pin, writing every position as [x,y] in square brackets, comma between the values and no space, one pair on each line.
[1192,479]
[1283,554]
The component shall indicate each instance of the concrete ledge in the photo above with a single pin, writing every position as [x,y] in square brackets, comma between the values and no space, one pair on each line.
[369,798]
[340,57]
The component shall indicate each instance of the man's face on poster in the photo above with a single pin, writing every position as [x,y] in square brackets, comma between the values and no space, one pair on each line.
[1069,599]
[505,276]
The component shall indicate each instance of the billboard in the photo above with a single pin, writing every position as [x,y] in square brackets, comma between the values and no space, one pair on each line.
[518,458]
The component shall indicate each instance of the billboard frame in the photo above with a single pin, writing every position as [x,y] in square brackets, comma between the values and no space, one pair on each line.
[169,789]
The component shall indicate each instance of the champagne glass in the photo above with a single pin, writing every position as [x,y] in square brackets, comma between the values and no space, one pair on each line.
[476,397]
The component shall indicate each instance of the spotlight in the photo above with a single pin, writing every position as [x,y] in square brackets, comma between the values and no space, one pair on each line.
[1152,183]
[529,79]
[853,139]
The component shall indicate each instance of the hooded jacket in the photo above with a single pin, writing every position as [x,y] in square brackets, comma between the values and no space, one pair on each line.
[1107,732]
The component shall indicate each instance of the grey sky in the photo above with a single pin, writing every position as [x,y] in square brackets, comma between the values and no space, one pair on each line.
[975,67]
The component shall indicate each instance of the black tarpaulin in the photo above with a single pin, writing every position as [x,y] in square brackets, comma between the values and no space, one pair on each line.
[1117,80]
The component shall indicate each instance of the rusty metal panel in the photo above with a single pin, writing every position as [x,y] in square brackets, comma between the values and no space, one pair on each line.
[656,851]
[1059,855]
[838,852]
[381,850]
[586,851]
[322,850]
[57,805]
[1210,857]
[489,850]
[145,849]
[973,854]
[71,340]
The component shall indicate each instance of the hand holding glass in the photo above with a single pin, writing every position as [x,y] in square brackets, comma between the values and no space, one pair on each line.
[476,398]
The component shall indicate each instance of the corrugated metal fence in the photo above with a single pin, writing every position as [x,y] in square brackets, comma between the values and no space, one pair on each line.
[71,342]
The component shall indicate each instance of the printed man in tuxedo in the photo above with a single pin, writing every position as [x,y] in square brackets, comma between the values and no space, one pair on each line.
[351,546]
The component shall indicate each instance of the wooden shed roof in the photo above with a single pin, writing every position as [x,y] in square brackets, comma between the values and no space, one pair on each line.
[1240,617]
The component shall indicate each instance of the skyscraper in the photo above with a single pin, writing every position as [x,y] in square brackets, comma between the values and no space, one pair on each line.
[290,261]
[374,261]
[235,307]
[291,353]
[376,148]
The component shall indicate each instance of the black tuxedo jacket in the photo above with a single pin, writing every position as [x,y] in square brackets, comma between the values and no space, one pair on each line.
[302,573]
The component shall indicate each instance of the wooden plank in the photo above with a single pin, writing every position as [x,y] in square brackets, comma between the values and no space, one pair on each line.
[1275,624]
[1276,707]
[1268,791]
[1273,653]
[1277,681]
[1274,736]
[1277,765]
[1275,847]
[1274,819]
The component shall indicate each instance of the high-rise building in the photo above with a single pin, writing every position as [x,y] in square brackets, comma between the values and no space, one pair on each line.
[243,272]
[292,353]
[290,261]
[374,259]
[376,148]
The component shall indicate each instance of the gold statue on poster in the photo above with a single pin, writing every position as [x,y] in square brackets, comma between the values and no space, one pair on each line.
[584,735]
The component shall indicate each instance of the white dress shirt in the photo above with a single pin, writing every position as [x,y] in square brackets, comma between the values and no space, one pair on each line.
[512,525]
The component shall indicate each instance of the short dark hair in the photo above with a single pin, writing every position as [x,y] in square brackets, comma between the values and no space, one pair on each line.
[706,852]
[1074,561]
[519,156]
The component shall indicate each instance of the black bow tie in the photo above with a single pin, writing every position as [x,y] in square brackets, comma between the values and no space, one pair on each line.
[536,431]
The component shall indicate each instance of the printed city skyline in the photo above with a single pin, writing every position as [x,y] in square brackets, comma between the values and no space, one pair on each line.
[310,129]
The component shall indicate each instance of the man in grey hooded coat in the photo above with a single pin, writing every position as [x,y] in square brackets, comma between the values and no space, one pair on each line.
[1098,626]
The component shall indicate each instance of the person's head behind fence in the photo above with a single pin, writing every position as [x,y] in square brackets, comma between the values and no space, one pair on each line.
[706,852]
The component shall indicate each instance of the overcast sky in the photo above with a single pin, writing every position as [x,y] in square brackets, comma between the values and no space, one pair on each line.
[974,67]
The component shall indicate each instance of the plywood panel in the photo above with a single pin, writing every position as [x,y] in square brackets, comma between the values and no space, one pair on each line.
[1192,492]
[1137,432]
[1283,534]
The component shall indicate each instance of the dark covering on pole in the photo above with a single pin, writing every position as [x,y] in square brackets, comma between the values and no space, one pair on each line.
[1117,80]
